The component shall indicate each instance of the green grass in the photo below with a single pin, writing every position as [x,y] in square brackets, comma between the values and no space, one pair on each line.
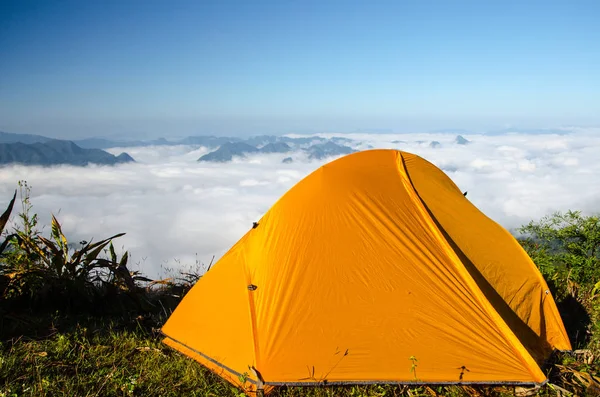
[102,357]
[105,358]
[101,361]
[120,353]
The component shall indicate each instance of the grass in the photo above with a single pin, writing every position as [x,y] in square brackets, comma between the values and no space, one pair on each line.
[75,321]
[124,357]
[108,359]
[102,360]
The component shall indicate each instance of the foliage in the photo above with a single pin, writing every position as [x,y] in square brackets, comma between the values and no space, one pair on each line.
[4,219]
[4,279]
[566,248]
[50,271]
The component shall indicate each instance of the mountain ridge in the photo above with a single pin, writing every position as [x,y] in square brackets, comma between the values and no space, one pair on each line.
[57,152]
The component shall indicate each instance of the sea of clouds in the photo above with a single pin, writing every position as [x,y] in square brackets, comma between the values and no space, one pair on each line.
[177,212]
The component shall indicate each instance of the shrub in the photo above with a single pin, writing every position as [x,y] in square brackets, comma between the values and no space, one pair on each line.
[566,248]
[38,270]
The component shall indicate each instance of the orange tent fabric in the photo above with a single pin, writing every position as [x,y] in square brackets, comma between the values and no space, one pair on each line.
[373,269]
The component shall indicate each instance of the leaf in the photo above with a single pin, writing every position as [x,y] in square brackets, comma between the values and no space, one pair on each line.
[30,246]
[594,290]
[104,263]
[77,255]
[90,257]
[142,278]
[113,255]
[6,242]
[61,241]
[6,214]
[58,259]
[123,262]
[58,234]
[97,248]
[167,281]
[91,246]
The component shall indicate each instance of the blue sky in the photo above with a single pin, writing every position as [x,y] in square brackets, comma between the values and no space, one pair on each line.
[170,68]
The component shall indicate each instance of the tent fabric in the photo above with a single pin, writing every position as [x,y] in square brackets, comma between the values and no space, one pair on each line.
[484,246]
[372,269]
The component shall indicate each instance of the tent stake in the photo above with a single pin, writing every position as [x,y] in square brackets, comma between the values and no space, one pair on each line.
[260,384]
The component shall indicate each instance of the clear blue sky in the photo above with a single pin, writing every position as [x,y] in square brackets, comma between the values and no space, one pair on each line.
[82,68]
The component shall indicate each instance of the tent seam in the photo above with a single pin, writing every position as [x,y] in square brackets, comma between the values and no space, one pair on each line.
[408,382]
[210,359]
[253,327]
[251,303]
[504,329]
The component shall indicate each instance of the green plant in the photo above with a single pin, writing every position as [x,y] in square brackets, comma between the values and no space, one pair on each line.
[55,254]
[29,221]
[566,248]
[413,367]
[42,267]
[4,220]
[4,278]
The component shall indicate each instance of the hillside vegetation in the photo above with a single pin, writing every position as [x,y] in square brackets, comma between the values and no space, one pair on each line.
[77,321]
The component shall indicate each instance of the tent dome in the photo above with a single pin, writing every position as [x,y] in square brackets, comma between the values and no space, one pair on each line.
[372,261]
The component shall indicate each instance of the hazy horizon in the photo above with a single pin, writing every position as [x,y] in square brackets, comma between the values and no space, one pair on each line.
[174,135]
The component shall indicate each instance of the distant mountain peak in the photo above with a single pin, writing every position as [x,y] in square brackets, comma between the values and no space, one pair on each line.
[322,150]
[125,158]
[276,147]
[56,152]
[227,151]
[461,140]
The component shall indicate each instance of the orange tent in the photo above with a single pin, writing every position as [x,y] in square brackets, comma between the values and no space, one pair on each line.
[375,268]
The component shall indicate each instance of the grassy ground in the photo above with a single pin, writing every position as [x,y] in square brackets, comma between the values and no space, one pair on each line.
[111,356]
[117,351]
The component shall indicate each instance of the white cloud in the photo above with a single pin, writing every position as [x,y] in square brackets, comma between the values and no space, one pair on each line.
[172,207]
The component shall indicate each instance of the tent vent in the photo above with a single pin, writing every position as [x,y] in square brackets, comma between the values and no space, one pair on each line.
[254,225]
[252,287]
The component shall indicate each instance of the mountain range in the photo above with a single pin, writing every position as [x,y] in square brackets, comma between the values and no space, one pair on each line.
[39,150]
[317,151]
[31,149]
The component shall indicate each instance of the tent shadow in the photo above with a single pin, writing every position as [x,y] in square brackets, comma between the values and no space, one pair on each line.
[536,345]
[575,317]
